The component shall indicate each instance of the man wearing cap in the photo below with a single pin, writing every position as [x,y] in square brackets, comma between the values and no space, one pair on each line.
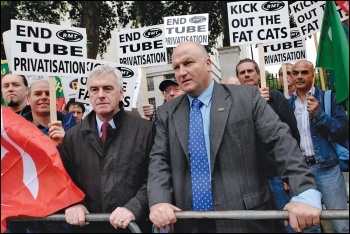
[170,89]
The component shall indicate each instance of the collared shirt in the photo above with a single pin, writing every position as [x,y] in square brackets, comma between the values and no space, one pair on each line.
[205,98]
[99,125]
[303,122]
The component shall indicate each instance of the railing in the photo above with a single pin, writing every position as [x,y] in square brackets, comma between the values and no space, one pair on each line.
[237,214]
[134,228]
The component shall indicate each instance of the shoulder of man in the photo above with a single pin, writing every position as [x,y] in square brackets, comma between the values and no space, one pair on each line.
[67,119]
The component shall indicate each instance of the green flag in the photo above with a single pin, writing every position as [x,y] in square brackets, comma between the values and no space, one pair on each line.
[333,52]
[4,71]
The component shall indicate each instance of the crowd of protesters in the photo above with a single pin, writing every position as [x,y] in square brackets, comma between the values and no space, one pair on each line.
[210,147]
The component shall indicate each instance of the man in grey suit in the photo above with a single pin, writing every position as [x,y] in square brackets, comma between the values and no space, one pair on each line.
[235,118]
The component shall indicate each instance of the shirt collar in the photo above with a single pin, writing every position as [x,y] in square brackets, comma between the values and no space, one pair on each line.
[204,97]
[312,91]
[100,122]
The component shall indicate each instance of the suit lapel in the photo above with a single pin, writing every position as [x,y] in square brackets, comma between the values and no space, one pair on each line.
[89,129]
[219,112]
[181,121]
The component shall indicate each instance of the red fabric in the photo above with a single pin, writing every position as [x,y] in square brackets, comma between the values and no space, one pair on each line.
[33,179]
[61,103]
[344,6]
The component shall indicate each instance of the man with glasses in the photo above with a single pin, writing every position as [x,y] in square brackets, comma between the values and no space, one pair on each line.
[170,89]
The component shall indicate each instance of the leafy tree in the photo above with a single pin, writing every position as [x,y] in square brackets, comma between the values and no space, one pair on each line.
[37,11]
[146,13]
[99,18]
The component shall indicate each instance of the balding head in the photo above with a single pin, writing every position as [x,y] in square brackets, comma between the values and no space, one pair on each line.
[192,67]
[191,47]
[232,80]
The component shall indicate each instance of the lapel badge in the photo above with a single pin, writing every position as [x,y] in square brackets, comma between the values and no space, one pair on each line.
[220,109]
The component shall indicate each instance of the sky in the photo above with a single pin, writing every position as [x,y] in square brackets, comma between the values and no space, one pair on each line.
[310,55]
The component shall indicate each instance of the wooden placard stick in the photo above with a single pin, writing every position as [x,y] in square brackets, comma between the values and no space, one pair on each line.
[262,65]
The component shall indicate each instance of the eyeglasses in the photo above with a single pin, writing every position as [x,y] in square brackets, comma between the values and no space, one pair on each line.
[176,90]
[303,72]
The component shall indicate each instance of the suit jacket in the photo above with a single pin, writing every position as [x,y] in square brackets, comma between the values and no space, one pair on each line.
[238,181]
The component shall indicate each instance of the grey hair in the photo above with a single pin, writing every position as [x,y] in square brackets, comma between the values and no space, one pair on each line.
[106,69]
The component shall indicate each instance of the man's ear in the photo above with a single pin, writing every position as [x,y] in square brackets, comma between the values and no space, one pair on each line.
[121,94]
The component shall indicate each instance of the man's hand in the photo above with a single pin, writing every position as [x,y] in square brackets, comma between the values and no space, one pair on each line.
[265,93]
[312,105]
[163,214]
[121,217]
[148,110]
[56,132]
[302,216]
[75,215]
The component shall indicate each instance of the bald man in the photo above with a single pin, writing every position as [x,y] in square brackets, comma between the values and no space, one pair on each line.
[231,121]
[39,101]
[232,80]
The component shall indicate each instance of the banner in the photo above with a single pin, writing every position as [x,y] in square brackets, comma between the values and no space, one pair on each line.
[333,52]
[33,179]
[4,71]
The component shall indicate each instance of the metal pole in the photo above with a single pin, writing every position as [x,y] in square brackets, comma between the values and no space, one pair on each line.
[134,228]
[253,214]
[237,214]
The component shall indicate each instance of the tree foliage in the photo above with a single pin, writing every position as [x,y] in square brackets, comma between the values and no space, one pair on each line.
[146,13]
[37,11]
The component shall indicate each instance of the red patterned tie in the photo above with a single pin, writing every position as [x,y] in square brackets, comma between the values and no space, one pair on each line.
[104,128]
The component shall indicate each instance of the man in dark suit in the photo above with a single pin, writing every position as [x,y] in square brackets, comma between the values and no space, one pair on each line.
[235,118]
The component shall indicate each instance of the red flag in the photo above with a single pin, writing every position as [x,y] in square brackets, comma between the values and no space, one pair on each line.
[33,179]
[61,101]
[344,6]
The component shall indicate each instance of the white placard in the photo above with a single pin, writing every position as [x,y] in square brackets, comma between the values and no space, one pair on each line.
[142,47]
[258,22]
[308,16]
[34,78]
[137,87]
[47,49]
[285,52]
[186,28]
[129,80]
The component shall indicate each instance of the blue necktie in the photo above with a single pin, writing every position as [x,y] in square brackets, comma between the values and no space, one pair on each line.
[200,175]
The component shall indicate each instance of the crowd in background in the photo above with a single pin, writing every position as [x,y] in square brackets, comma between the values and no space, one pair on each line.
[210,146]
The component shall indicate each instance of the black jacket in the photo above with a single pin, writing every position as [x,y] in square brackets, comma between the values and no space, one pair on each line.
[285,112]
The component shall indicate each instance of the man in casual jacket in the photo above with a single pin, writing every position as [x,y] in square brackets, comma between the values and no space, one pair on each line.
[316,129]
[39,101]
